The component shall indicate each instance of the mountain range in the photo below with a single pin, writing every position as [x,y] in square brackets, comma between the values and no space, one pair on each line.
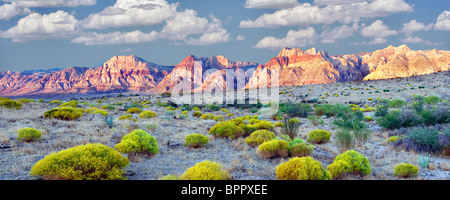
[294,67]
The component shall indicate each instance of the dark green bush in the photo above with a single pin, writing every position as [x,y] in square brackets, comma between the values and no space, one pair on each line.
[396,103]
[432,100]
[425,139]
[295,110]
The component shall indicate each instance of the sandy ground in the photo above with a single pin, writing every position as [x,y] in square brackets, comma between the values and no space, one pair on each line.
[241,160]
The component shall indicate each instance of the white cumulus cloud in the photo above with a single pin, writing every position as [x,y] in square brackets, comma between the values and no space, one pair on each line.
[53,3]
[443,21]
[414,26]
[338,33]
[294,39]
[131,13]
[35,26]
[117,37]
[377,30]
[307,14]
[8,11]
[270,4]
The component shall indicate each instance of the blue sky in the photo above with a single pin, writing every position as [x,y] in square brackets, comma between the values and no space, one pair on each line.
[43,34]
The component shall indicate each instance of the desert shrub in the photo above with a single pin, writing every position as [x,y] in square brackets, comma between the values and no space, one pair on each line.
[381,110]
[64,113]
[28,134]
[206,170]
[418,106]
[230,114]
[126,117]
[279,124]
[224,110]
[10,104]
[353,122]
[197,114]
[72,104]
[91,110]
[134,110]
[196,108]
[350,162]
[219,118]
[26,100]
[170,108]
[444,141]
[108,107]
[186,107]
[196,140]
[396,103]
[425,139]
[368,118]
[85,162]
[55,102]
[319,136]
[393,139]
[101,112]
[274,148]
[295,110]
[301,149]
[315,120]
[432,100]
[169,178]
[331,110]
[133,105]
[305,168]
[405,170]
[147,115]
[265,125]
[214,107]
[226,130]
[390,121]
[138,141]
[428,117]
[408,118]
[291,127]
[248,129]
[170,113]
[442,115]
[345,139]
[207,116]
[259,137]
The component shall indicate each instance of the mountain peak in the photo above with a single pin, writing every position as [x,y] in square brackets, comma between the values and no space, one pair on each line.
[288,52]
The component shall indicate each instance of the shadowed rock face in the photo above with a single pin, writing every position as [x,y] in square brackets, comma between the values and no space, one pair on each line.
[294,67]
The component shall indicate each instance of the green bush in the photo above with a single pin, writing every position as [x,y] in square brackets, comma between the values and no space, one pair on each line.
[432,100]
[207,116]
[134,110]
[301,149]
[219,118]
[206,170]
[319,136]
[108,107]
[274,148]
[138,141]
[196,140]
[390,121]
[169,178]
[64,113]
[197,114]
[425,139]
[126,117]
[405,170]
[85,162]
[331,110]
[28,134]
[265,125]
[381,110]
[350,162]
[279,124]
[396,103]
[10,104]
[305,168]
[345,139]
[214,107]
[147,115]
[101,112]
[291,127]
[295,110]
[55,102]
[259,137]
[226,130]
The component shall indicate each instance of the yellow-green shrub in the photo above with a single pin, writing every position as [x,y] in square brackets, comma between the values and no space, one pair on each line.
[55,102]
[169,178]
[350,162]
[206,170]
[226,129]
[134,110]
[207,116]
[368,118]
[147,115]
[224,110]
[101,112]
[405,170]
[64,113]
[230,114]
[85,162]
[265,125]
[196,140]
[259,137]
[279,124]
[26,100]
[72,104]
[219,118]
[196,108]
[319,136]
[301,150]
[138,141]
[10,104]
[28,134]
[169,108]
[249,128]
[274,148]
[126,117]
[305,168]
[91,110]
[393,139]
[197,114]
